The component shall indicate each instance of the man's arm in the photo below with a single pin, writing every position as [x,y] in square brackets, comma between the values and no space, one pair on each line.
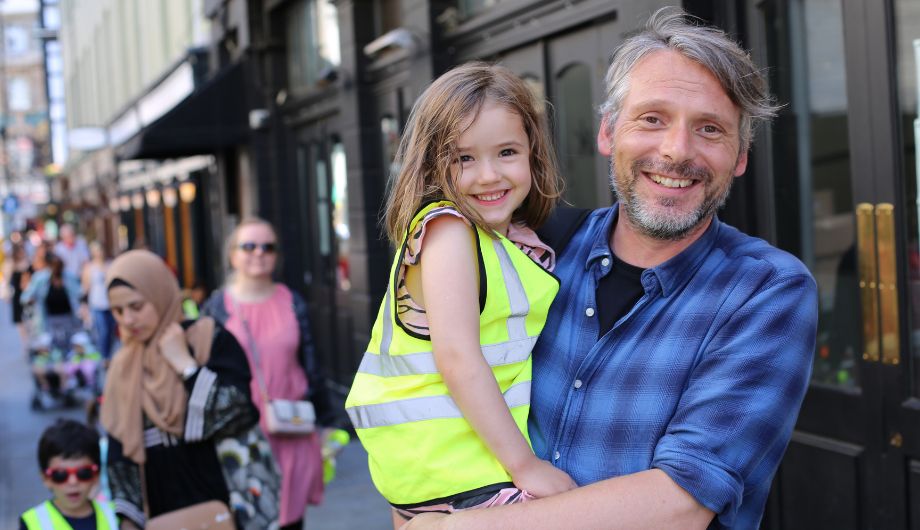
[649,499]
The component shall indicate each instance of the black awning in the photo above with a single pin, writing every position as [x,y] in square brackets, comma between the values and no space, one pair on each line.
[210,118]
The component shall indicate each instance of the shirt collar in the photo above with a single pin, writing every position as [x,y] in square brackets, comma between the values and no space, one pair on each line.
[670,274]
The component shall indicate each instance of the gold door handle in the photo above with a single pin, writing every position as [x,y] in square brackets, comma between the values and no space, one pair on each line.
[887,283]
[868,279]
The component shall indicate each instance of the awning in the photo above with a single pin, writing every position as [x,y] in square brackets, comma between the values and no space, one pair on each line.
[212,117]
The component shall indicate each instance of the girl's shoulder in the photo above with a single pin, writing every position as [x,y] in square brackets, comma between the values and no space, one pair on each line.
[416,238]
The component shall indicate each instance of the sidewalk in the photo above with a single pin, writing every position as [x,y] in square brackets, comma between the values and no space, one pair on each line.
[351,501]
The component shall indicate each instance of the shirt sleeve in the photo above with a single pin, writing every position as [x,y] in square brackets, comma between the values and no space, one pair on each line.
[736,416]
[125,483]
[219,403]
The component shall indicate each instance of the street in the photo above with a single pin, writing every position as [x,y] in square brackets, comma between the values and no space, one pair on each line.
[350,501]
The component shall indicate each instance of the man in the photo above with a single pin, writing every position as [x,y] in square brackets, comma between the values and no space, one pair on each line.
[670,373]
[72,250]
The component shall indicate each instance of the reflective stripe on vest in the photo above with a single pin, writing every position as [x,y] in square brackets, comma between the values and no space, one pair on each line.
[424,408]
[44,517]
[105,517]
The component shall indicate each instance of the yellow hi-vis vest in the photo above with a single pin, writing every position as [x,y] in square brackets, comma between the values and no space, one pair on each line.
[46,517]
[420,448]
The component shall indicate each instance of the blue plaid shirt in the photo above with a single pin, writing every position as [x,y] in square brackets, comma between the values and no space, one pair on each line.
[703,378]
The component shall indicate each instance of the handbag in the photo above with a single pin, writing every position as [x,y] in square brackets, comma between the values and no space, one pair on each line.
[282,416]
[253,479]
[210,515]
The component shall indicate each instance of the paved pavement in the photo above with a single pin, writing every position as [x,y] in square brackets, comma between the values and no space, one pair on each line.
[351,502]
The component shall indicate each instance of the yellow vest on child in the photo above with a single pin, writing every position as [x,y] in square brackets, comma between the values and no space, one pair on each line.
[46,517]
[420,448]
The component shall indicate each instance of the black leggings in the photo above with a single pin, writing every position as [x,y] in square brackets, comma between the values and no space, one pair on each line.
[296,525]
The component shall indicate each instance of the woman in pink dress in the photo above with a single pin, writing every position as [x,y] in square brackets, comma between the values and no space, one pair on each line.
[277,323]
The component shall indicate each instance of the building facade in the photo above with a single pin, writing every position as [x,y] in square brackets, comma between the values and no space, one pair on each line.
[297,115]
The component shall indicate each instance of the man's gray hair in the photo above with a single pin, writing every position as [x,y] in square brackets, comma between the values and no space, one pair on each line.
[669,28]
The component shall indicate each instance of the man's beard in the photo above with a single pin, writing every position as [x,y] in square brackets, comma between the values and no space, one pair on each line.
[662,221]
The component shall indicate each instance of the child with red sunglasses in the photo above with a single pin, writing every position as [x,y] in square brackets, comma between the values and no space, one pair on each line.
[68,456]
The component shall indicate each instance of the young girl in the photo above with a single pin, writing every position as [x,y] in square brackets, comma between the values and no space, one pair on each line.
[441,398]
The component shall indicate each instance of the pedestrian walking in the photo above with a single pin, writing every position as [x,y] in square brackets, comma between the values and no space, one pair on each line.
[54,294]
[18,273]
[271,323]
[173,392]
[72,249]
[441,398]
[68,458]
[97,299]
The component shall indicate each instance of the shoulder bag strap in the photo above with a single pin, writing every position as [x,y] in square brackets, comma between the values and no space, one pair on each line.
[252,348]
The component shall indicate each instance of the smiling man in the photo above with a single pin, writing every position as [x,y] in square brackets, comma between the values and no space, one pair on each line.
[669,376]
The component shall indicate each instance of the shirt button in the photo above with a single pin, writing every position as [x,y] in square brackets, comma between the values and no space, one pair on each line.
[556,455]
[577,383]
[605,262]
[589,312]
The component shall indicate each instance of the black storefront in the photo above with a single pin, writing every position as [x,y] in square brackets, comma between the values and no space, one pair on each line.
[833,180]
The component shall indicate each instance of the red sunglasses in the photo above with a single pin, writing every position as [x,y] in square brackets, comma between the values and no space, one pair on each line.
[60,475]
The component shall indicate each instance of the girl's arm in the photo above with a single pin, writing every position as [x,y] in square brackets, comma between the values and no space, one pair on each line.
[450,295]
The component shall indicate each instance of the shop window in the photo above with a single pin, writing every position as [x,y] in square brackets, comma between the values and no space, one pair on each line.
[20,98]
[340,224]
[908,55]
[470,8]
[813,181]
[575,134]
[389,137]
[312,43]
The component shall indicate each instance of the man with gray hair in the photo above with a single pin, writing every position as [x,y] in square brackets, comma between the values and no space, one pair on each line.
[676,356]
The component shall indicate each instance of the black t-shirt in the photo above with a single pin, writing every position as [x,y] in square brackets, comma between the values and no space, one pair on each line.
[76,523]
[57,302]
[617,293]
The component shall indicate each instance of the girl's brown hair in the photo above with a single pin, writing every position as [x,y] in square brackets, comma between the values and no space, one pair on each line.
[428,146]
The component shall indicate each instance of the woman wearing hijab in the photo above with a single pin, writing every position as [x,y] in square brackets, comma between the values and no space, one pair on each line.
[172,391]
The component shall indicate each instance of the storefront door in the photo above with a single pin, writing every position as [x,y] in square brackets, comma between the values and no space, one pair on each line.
[323,193]
[845,202]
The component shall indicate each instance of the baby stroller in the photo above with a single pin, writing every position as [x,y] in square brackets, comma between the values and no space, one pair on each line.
[63,376]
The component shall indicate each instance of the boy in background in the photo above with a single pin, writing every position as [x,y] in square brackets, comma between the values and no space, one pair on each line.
[68,457]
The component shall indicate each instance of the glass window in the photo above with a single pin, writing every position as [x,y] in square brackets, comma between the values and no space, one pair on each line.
[575,135]
[340,223]
[20,98]
[907,20]
[389,136]
[811,158]
[312,32]
[469,8]
[323,214]
[16,40]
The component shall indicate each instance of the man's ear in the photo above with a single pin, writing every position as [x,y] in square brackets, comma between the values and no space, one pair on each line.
[741,164]
[604,141]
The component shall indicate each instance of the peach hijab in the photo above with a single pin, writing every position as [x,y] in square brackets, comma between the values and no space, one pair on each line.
[140,382]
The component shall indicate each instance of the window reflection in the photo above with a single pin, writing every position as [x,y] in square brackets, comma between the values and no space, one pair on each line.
[575,135]
[340,223]
[907,18]
[813,182]
[389,136]
[312,34]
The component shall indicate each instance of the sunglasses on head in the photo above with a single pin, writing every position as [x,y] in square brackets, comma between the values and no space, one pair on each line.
[60,475]
[249,247]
